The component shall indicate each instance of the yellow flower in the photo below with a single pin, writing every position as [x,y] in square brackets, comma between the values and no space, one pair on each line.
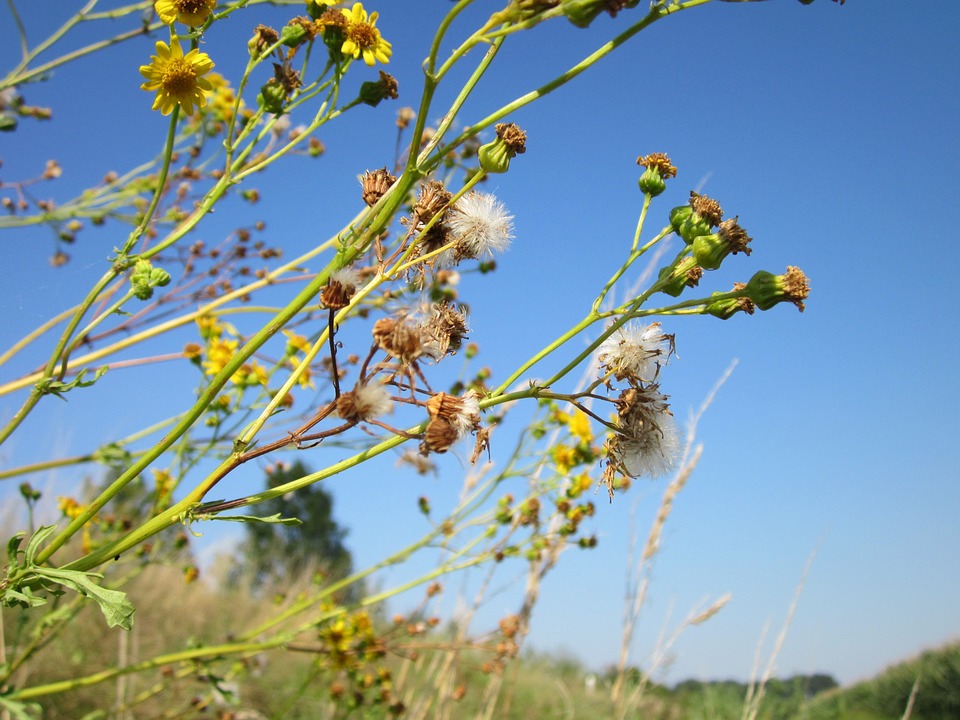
[296,342]
[579,425]
[190,12]
[209,327]
[580,485]
[177,78]
[219,353]
[363,38]
[251,374]
[306,377]
[164,483]
[222,99]
[70,507]
[564,458]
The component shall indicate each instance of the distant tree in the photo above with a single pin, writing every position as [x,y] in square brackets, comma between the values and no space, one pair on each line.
[276,554]
[819,683]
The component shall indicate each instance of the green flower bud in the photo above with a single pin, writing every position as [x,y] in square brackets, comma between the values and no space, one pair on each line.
[693,227]
[495,156]
[424,504]
[686,274]
[766,289]
[658,170]
[263,37]
[678,216]
[651,183]
[315,10]
[145,277]
[372,92]
[272,97]
[727,307]
[293,35]
[710,250]
[697,218]
[582,12]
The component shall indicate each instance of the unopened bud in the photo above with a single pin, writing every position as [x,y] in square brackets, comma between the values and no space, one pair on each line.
[495,156]
[372,92]
[686,274]
[726,308]
[271,97]
[710,250]
[658,170]
[767,289]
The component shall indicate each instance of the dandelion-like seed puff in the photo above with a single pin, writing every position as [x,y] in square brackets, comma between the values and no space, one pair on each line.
[635,352]
[177,78]
[481,225]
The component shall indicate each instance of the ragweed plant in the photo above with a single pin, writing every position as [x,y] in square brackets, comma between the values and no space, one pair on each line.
[341,345]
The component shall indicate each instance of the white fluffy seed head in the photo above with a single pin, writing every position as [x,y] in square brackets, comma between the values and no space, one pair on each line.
[480,222]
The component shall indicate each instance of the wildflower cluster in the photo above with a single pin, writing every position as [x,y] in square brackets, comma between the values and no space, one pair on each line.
[375,306]
[353,653]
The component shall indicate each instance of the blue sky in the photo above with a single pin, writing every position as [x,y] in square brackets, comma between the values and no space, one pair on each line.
[830,131]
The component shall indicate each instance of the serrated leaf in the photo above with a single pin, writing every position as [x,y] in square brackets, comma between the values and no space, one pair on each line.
[114,605]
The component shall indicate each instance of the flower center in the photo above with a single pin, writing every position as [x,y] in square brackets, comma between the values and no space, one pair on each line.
[179,77]
[364,35]
[191,6]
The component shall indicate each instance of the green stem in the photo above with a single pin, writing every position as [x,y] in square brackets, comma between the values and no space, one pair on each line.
[209,652]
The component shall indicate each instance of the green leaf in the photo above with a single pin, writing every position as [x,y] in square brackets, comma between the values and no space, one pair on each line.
[25,599]
[114,605]
[20,710]
[33,547]
[272,520]
[58,387]
[13,549]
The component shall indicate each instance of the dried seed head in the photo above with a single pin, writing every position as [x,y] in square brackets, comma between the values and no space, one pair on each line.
[375,185]
[462,412]
[405,116]
[398,339]
[439,436]
[647,443]
[341,287]
[443,330]
[707,208]
[364,402]
[433,198]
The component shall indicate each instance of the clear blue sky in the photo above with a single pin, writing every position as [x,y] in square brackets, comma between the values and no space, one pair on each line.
[831,131]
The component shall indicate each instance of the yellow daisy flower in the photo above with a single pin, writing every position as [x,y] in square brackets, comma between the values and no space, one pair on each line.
[218,354]
[296,342]
[209,327]
[177,78]
[363,38]
[564,457]
[70,507]
[190,12]
[579,425]
[306,378]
